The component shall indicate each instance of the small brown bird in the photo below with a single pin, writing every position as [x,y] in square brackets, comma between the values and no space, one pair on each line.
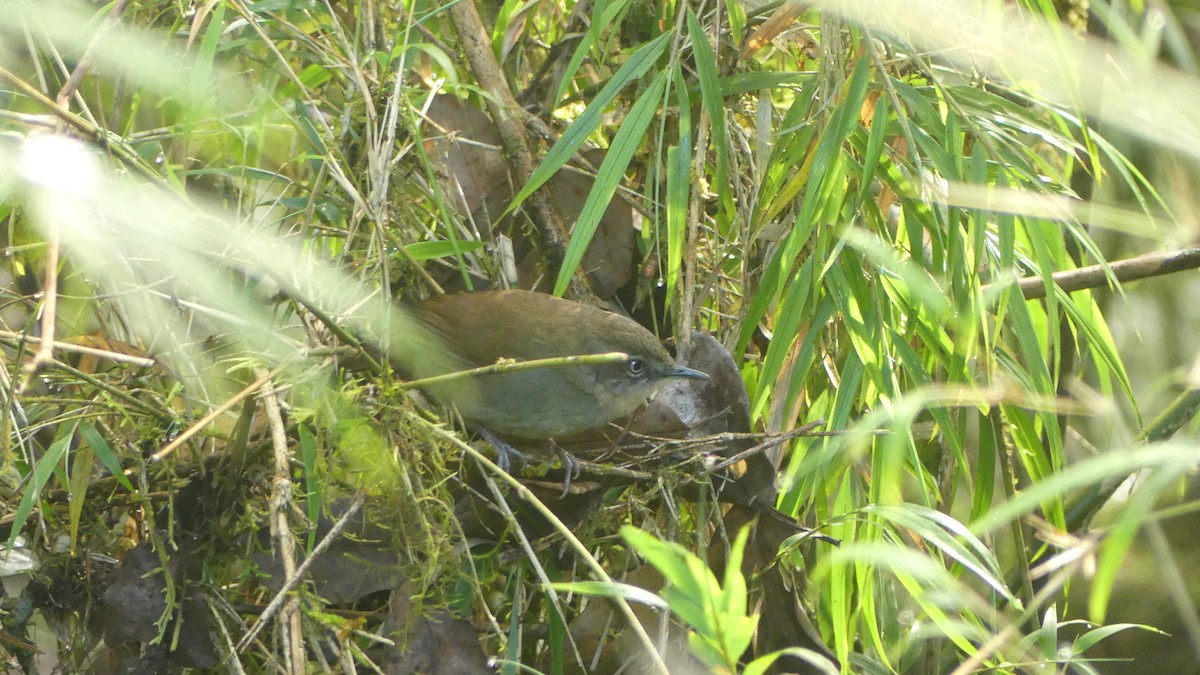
[479,329]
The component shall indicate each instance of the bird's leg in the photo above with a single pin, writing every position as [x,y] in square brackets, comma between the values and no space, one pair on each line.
[570,464]
[628,426]
[504,451]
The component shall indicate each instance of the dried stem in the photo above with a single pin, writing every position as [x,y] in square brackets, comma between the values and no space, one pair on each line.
[281,530]
[509,118]
[1095,276]
[216,412]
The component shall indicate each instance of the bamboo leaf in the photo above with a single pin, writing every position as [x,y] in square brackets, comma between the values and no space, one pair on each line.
[42,471]
[609,176]
[589,120]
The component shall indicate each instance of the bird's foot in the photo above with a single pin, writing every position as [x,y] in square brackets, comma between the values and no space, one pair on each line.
[570,464]
[504,451]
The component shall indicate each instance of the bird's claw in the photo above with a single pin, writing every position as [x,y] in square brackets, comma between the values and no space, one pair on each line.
[570,465]
[504,451]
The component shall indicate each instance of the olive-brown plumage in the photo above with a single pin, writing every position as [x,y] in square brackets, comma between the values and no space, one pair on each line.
[479,329]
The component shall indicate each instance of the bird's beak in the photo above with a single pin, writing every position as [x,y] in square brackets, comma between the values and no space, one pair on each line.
[680,371]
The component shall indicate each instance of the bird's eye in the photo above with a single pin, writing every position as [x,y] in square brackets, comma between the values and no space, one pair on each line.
[637,367]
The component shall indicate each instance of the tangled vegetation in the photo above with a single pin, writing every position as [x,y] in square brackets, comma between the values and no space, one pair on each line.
[895,234]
